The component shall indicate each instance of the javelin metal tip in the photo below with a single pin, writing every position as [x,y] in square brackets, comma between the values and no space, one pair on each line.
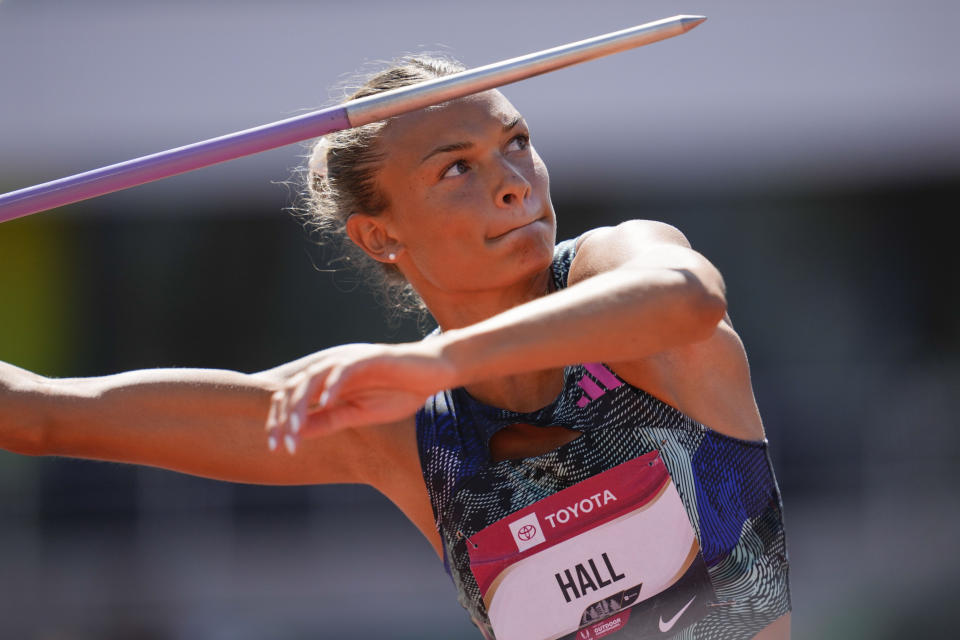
[689,22]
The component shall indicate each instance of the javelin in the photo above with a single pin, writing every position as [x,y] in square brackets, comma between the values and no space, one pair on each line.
[353,113]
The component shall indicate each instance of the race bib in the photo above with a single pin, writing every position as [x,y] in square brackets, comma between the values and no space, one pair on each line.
[613,554]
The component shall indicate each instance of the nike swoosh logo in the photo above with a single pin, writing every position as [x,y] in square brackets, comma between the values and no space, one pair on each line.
[666,626]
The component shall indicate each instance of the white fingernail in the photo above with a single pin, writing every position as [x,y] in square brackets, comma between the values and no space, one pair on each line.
[295,423]
[272,443]
[324,398]
[291,443]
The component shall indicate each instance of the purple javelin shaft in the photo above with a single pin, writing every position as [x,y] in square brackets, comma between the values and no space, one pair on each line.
[131,173]
[317,123]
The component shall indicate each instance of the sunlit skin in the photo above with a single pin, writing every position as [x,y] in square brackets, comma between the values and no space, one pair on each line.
[470,218]
[470,224]
[472,227]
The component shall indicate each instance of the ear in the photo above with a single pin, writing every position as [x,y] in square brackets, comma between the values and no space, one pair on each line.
[370,233]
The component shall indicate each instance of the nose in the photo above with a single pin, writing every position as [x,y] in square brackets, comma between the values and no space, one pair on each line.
[513,186]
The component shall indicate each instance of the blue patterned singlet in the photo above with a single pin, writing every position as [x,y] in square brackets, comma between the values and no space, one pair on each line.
[726,485]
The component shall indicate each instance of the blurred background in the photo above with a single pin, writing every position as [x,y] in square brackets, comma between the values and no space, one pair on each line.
[811,150]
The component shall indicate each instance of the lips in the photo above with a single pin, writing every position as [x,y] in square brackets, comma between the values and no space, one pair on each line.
[516,227]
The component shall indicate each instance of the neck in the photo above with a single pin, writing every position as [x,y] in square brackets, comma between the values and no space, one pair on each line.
[453,310]
[523,392]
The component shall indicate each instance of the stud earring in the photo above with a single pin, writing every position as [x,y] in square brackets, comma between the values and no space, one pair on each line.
[391,257]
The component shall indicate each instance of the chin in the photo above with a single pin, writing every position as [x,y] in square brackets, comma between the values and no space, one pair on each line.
[535,246]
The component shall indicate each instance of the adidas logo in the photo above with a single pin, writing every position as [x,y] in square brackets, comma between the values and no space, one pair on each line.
[598,382]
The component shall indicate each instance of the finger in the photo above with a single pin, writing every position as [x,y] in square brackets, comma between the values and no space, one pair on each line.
[296,387]
[305,388]
[334,384]
[290,422]
[283,401]
[272,417]
[290,442]
[272,425]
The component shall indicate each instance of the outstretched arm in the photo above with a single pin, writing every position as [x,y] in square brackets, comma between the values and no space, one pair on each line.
[199,421]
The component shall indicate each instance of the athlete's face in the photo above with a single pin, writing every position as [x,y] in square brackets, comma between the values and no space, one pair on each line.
[469,202]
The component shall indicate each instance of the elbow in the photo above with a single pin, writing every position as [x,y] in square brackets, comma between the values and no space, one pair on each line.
[709,309]
[702,305]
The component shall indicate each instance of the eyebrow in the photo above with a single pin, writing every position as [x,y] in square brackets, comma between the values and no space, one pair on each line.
[460,146]
[512,123]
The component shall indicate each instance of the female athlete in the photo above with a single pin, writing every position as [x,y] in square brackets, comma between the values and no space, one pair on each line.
[578,440]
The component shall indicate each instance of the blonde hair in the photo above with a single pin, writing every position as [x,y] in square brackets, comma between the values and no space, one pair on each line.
[341,179]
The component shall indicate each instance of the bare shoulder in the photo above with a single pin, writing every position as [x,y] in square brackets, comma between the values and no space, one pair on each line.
[606,248]
[631,232]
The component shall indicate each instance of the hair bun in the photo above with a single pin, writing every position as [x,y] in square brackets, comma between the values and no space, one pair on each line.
[318,159]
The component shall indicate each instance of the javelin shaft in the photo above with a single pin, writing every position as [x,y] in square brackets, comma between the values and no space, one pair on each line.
[353,113]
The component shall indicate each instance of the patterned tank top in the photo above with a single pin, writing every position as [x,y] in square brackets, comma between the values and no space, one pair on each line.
[726,487]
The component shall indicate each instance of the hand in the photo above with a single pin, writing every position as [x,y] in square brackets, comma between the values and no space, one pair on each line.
[356,385]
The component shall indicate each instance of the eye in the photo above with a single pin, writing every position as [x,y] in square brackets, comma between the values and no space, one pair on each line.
[519,142]
[458,168]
